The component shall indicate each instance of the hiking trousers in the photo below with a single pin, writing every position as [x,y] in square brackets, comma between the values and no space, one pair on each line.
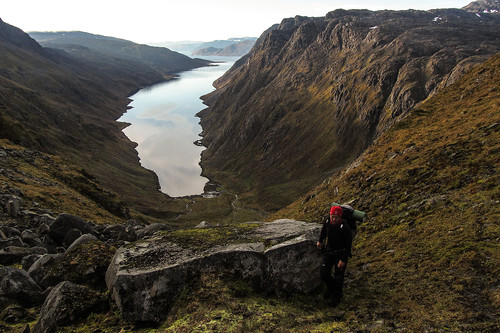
[335,283]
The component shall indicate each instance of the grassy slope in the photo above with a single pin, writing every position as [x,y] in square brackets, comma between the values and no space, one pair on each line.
[51,184]
[427,259]
[429,255]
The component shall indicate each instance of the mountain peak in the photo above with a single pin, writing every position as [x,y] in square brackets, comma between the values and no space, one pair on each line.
[483,6]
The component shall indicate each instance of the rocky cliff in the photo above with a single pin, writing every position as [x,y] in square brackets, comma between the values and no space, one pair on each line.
[315,92]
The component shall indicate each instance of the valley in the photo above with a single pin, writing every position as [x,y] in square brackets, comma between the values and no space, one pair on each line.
[393,112]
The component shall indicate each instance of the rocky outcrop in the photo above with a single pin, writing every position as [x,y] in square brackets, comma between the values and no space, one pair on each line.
[66,304]
[277,257]
[315,92]
[17,286]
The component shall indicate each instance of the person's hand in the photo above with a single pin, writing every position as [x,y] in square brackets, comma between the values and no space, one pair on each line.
[341,264]
[319,245]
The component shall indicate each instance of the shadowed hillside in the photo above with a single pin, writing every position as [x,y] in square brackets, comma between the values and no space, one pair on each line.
[67,105]
[315,92]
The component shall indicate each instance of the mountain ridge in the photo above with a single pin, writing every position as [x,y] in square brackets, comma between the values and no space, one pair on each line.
[312,87]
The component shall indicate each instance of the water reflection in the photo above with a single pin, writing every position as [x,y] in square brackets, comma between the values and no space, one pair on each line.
[164,126]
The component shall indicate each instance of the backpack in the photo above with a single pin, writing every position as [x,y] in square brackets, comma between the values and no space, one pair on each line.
[350,216]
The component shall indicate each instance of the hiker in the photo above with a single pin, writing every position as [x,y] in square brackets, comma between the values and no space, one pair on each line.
[336,251]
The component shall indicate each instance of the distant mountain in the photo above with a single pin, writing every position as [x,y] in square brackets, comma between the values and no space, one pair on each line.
[234,46]
[93,46]
[232,50]
[314,93]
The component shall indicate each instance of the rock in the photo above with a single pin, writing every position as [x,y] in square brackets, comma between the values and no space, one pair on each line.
[28,261]
[12,207]
[10,232]
[82,240]
[46,219]
[71,236]
[13,241]
[43,229]
[144,279]
[14,254]
[17,285]
[204,224]
[14,314]
[2,235]
[293,267]
[155,227]
[31,238]
[66,222]
[39,271]
[66,304]
[86,263]
[112,231]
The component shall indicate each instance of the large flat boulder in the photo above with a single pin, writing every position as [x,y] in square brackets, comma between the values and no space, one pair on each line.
[145,278]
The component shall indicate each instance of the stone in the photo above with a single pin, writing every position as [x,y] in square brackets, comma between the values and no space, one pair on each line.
[12,207]
[66,304]
[66,222]
[31,238]
[17,285]
[39,270]
[145,278]
[13,241]
[155,227]
[71,236]
[29,260]
[14,254]
[14,314]
[43,229]
[82,240]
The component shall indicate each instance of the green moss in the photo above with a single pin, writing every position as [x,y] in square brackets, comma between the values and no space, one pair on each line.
[206,238]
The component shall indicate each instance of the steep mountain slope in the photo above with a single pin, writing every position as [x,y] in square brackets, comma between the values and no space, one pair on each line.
[67,106]
[429,254]
[315,92]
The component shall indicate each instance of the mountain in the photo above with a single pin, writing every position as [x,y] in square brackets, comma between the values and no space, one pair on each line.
[428,255]
[314,93]
[483,6]
[427,258]
[80,43]
[232,46]
[232,50]
[66,103]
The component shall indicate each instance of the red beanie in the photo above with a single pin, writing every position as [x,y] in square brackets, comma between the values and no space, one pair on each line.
[336,210]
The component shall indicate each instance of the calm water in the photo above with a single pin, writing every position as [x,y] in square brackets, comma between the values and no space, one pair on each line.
[164,126]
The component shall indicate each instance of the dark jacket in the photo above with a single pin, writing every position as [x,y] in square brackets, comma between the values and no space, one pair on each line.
[338,239]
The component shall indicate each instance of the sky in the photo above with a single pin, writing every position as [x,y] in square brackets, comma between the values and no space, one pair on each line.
[155,21]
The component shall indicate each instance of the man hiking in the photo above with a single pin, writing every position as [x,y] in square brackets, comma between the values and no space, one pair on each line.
[337,238]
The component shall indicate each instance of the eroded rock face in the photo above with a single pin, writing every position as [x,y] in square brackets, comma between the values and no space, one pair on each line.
[144,279]
[315,92]
[65,304]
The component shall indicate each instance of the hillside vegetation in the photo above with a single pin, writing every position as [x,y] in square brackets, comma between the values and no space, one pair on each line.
[426,260]
[429,254]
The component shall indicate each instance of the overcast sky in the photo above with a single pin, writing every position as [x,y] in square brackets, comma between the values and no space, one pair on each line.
[145,21]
